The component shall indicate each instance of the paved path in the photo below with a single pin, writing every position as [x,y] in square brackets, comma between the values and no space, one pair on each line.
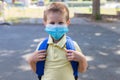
[100,43]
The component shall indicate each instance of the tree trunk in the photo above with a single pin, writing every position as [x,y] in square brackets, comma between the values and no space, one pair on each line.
[96,10]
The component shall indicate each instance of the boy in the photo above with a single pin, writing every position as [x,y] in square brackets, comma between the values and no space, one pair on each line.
[57,57]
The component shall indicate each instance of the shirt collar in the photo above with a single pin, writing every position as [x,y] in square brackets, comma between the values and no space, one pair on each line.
[61,43]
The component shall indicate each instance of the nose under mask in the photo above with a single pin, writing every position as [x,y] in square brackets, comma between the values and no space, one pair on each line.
[56,31]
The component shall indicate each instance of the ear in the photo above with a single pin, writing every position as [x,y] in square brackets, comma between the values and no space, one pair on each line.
[68,22]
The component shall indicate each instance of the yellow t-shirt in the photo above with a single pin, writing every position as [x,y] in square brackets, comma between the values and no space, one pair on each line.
[57,67]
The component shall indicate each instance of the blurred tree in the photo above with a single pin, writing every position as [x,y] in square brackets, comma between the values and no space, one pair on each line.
[96,10]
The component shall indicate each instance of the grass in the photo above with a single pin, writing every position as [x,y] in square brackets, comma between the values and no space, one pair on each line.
[109,11]
[16,13]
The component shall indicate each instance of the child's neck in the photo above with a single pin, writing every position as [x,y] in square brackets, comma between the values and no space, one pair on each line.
[55,41]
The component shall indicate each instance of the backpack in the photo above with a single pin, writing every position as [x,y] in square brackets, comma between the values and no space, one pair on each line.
[44,46]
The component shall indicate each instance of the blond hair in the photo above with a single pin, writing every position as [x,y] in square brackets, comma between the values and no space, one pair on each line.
[57,7]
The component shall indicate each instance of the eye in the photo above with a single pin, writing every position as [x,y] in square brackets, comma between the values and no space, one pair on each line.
[52,22]
[61,23]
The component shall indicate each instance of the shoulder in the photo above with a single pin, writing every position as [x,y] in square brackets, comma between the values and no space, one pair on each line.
[77,47]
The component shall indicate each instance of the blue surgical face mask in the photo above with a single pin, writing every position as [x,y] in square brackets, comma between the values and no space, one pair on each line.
[56,30]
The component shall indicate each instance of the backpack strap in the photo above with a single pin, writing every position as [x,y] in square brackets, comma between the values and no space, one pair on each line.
[40,64]
[43,45]
[70,46]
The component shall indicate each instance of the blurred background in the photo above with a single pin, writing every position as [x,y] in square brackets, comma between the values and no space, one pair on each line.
[95,25]
[25,9]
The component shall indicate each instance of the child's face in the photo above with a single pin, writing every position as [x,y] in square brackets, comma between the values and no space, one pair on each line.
[56,18]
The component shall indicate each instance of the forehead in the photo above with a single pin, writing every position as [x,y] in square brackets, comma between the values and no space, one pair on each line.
[56,16]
